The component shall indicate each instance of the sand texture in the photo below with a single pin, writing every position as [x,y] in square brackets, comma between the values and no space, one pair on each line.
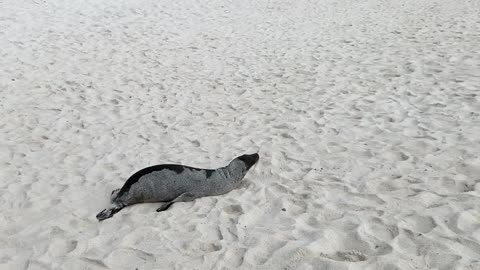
[366,115]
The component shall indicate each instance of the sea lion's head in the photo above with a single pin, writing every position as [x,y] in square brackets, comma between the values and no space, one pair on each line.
[249,160]
[239,167]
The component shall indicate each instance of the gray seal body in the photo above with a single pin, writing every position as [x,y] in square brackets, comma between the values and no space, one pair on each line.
[170,183]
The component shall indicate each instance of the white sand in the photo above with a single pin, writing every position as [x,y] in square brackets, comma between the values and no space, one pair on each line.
[366,114]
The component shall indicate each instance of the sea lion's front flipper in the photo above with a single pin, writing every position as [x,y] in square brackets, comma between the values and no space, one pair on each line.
[164,206]
[184,197]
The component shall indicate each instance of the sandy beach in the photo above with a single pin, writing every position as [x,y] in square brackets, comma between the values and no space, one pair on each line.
[365,114]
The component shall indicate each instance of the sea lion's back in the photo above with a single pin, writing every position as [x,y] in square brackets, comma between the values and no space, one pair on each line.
[163,183]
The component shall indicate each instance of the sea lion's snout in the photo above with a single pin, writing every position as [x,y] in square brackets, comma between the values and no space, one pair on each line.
[249,160]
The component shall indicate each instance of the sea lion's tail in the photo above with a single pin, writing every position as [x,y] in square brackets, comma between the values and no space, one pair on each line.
[108,213]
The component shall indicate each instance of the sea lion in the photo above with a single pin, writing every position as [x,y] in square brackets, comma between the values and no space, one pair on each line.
[171,183]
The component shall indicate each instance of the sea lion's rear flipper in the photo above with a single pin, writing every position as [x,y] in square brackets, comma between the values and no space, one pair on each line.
[108,213]
[184,197]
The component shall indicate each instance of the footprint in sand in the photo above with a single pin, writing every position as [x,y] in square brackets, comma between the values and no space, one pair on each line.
[349,256]
[379,229]
[264,250]
[123,258]
[59,247]
[346,256]
[423,224]
[234,209]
